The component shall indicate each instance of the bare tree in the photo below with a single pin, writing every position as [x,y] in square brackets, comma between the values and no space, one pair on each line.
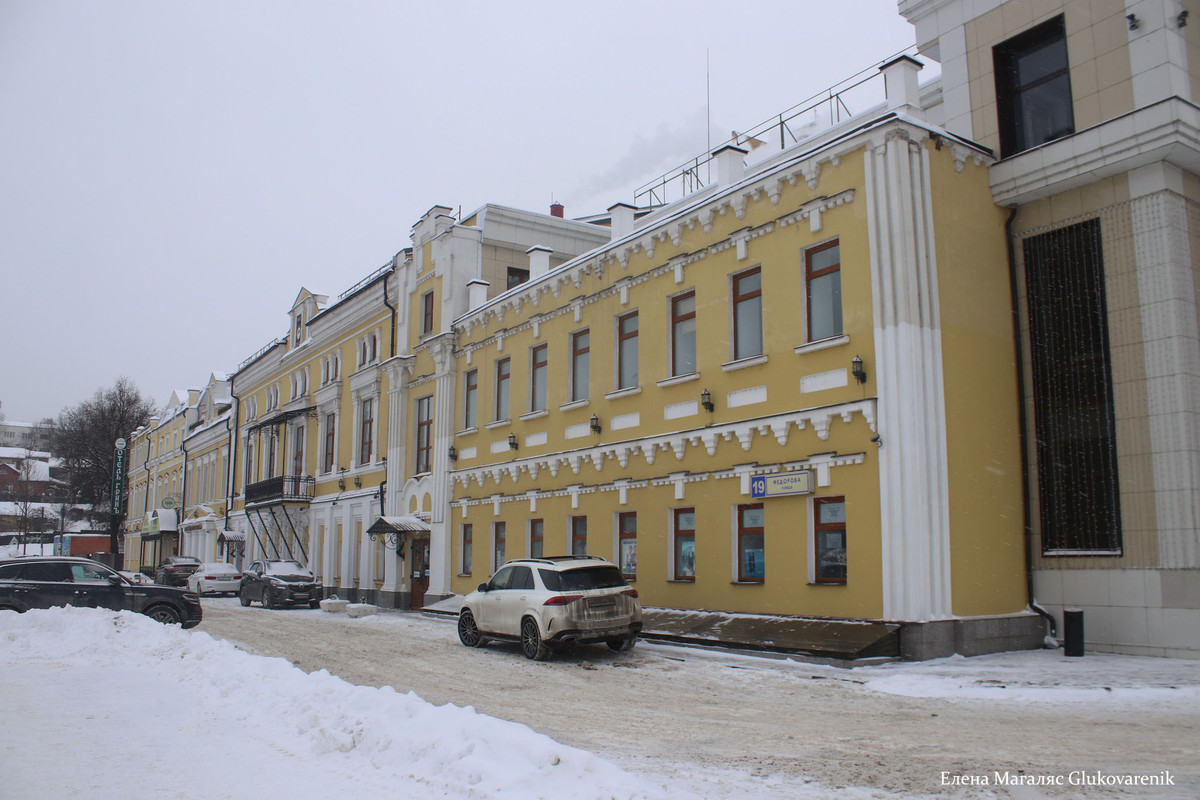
[83,437]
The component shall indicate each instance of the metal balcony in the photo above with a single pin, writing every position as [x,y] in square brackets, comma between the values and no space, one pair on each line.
[282,489]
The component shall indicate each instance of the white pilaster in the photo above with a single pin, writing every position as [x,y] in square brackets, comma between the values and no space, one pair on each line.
[914,493]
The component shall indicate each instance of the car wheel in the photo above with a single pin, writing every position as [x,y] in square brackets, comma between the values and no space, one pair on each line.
[531,641]
[242,596]
[621,645]
[468,631]
[267,602]
[314,603]
[164,614]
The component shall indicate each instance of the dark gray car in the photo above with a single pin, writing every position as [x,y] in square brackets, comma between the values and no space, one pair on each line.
[279,582]
[43,582]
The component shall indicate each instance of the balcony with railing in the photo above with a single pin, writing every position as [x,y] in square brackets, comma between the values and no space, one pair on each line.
[282,489]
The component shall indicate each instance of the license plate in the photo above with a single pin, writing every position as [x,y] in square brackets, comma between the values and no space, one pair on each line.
[601,602]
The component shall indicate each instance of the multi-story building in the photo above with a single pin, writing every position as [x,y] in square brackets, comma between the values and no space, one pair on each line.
[1091,106]
[325,470]
[933,366]
[155,470]
[27,435]
[207,440]
[790,392]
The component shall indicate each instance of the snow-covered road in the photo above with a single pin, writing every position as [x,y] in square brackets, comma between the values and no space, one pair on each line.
[105,700]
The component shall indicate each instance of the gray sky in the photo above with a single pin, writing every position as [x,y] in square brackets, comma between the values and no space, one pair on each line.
[174,172]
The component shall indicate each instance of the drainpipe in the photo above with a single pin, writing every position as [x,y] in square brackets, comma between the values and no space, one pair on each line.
[390,307]
[382,485]
[1022,422]
[229,484]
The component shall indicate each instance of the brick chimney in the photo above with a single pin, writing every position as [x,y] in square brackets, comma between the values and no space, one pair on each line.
[557,210]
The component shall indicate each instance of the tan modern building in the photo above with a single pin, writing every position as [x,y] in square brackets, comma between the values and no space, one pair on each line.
[1091,108]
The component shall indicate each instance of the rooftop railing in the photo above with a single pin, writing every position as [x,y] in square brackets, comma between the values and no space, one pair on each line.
[859,92]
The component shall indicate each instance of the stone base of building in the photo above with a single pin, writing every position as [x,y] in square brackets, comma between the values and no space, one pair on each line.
[972,636]
[376,597]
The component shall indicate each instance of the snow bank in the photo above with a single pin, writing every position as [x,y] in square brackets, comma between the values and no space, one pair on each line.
[208,719]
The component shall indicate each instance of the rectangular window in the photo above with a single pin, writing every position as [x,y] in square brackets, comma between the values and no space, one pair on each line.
[579,536]
[1033,88]
[471,399]
[747,314]
[683,334]
[516,276]
[249,476]
[750,529]
[498,535]
[298,451]
[829,537]
[271,442]
[627,350]
[466,549]
[427,313]
[330,430]
[1074,416]
[424,434]
[502,389]
[823,290]
[683,545]
[580,348]
[366,431]
[537,369]
[627,543]
[537,530]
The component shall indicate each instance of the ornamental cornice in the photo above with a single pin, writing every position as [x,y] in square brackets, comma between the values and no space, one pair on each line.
[778,427]
[821,464]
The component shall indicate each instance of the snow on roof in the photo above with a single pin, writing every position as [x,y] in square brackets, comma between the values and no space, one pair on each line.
[22,452]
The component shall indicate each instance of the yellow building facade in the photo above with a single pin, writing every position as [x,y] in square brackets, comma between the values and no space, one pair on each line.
[789,393]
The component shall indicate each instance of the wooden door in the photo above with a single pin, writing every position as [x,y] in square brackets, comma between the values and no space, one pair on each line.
[418,558]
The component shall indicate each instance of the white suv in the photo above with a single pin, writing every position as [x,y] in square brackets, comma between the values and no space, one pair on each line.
[546,602]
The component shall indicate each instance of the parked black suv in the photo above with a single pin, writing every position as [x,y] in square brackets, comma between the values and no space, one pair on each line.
[42,582]
[176,570]
[277,582]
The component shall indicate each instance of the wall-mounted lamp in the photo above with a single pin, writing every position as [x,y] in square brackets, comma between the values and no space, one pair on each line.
[595,424]
[706,401]
[856,369]
[453,453]
[512,441]
[357,482]
[1133,21]
[341,484]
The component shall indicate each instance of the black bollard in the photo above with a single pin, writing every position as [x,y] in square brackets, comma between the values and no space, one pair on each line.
[1073,632]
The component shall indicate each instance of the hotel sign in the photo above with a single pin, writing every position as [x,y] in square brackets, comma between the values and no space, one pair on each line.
[780,485]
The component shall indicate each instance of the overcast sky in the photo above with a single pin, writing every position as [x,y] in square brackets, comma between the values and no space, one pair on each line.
[174,172]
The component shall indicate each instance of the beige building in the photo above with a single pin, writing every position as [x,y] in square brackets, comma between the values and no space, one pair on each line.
[1091,108]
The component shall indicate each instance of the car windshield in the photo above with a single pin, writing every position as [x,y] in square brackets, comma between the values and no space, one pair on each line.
[285,568]
[574,580]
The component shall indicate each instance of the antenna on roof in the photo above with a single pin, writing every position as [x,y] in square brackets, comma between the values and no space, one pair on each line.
[708,110]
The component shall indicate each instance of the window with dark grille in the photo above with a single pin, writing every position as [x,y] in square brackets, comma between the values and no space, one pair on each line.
[1074,419]
[829,539]
[1033,88]
[366,431]
[499,531]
